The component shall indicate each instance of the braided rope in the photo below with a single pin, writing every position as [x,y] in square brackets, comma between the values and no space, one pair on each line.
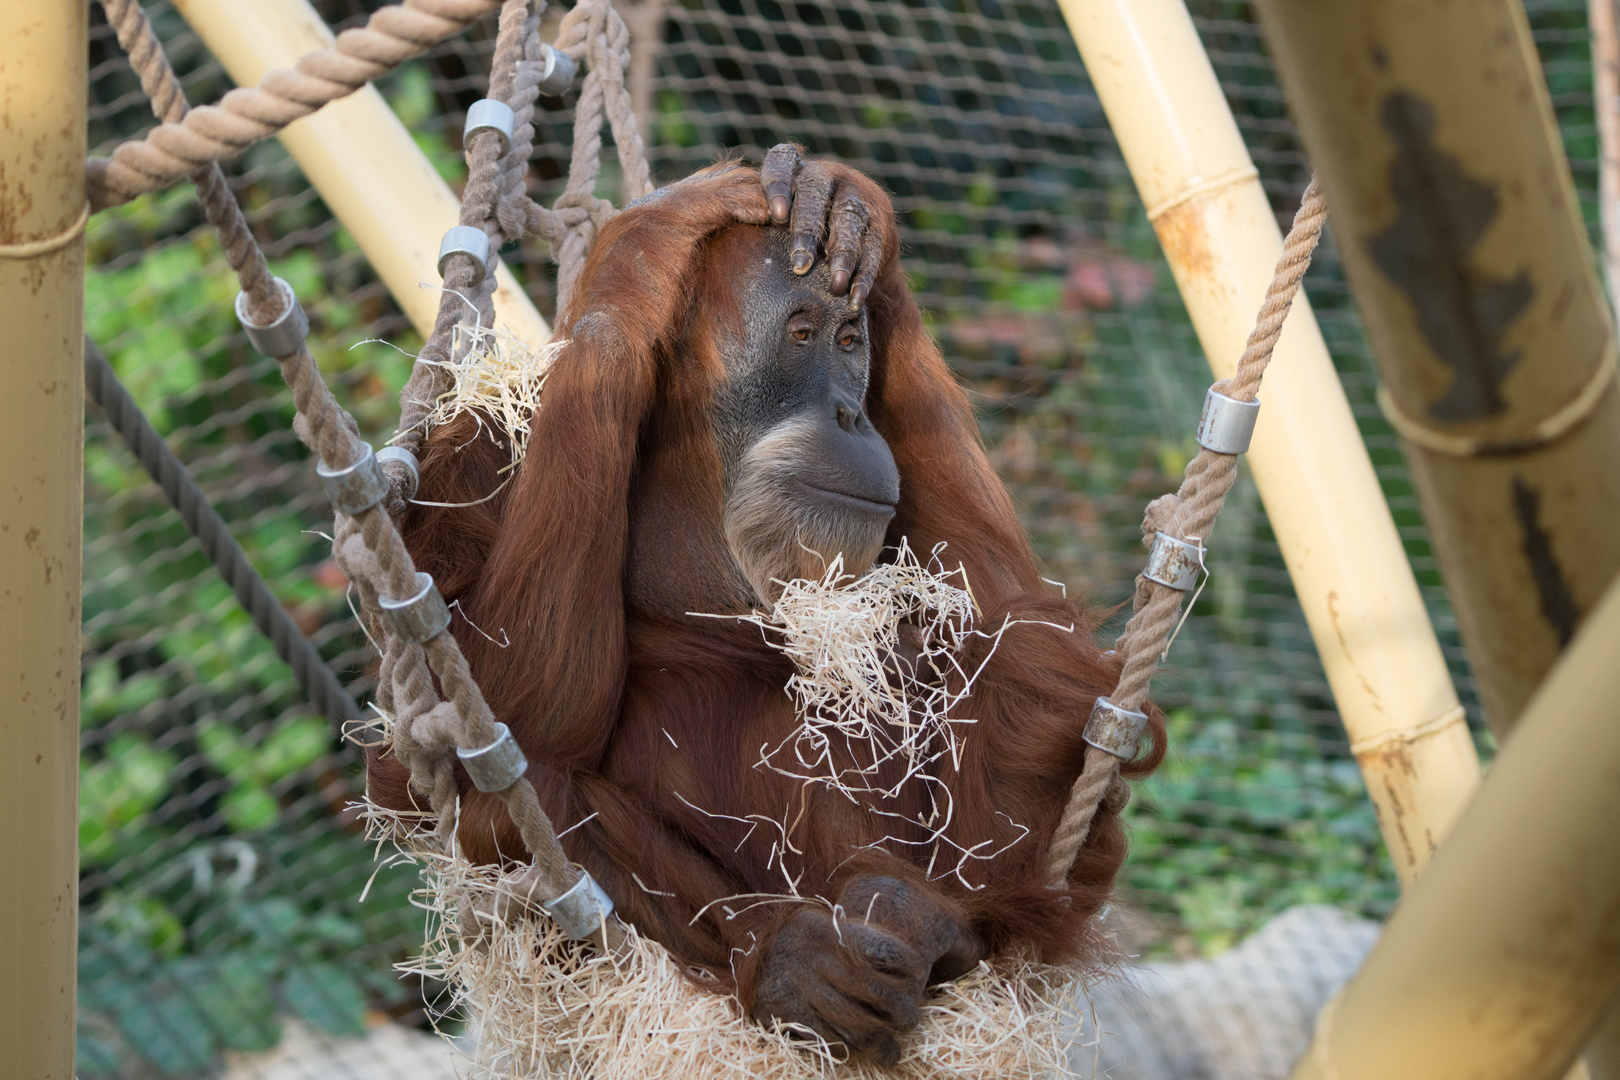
[595,33]
[248,115]
[495,198]
[1188,514]
[379,562]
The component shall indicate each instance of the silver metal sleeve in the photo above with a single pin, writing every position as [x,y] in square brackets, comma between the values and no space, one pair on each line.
[465,240]
[558,74]
[413,468]
[419,618]
[497,766]
[1227,424]
[487,114]
[1114,729]
[358,487]
[1174,562]
[581,911]
[282,337]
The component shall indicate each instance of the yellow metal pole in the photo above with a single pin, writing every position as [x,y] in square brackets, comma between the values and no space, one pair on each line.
[1348,567]
[1500,960]
[361,159]
[1454,209]
[42,212]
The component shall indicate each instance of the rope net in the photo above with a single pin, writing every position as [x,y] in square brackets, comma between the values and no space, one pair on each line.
[209,784]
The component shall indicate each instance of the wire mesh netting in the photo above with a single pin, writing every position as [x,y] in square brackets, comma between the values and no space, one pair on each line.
[222,869]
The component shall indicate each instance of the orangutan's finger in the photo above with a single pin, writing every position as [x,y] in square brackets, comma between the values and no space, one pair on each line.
[867,269]
[812,191]
[776,174]
[845,231]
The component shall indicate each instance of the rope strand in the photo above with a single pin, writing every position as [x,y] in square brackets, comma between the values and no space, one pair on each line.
[1189,513]
[248,115]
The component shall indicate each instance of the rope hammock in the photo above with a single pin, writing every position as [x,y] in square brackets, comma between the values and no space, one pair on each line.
[401,608]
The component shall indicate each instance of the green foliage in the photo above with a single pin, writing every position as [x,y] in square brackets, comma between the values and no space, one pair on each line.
[143,991]
[1239,824]
[295,744]
[118,793]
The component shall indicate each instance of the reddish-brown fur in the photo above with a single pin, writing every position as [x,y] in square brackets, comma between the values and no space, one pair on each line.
[604,673]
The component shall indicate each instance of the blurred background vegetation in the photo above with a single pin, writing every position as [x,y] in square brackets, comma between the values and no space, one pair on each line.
[222,870]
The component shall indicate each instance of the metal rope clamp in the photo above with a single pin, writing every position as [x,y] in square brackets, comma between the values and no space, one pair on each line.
[487,114]
[356,488]
[1226,425]
[1173,562]
[470,241]
[581,911]
[407,462]
[282,337]
[1114,729]
[558,74]
[418,618]
[497,766]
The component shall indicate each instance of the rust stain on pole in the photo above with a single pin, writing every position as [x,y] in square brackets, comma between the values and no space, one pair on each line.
[1457,219]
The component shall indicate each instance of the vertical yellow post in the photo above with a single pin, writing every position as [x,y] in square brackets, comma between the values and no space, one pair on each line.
[1454,209]
[43,54]
[1349,570]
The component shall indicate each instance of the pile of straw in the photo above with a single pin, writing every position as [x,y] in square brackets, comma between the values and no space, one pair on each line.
[544,1006]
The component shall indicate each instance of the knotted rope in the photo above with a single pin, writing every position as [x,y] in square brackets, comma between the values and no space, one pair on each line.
[595,33]
[495,198]
[369,546]
[1189,514]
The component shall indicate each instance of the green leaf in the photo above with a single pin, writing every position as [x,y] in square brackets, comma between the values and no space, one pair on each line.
[238,1001]
[248,806]
[169,1031]
[336,930]
[270,922]
[225,750]
[325,996]
[296,744]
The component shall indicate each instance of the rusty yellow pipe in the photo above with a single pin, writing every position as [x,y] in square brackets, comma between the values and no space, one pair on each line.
[1499,962]
[42,213]
[359,157]
[1349,570]
[1456,215]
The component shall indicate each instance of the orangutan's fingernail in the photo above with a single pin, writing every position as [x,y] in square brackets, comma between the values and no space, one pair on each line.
[802,260]
[779,209]
[840,282]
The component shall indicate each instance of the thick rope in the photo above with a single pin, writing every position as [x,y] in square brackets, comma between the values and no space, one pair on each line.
[380,562]
[319,684]
[489,177]
[593,32]
[248,115]
[1189,514]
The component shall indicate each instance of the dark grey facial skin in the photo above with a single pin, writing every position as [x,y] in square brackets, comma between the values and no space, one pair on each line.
[807,477]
